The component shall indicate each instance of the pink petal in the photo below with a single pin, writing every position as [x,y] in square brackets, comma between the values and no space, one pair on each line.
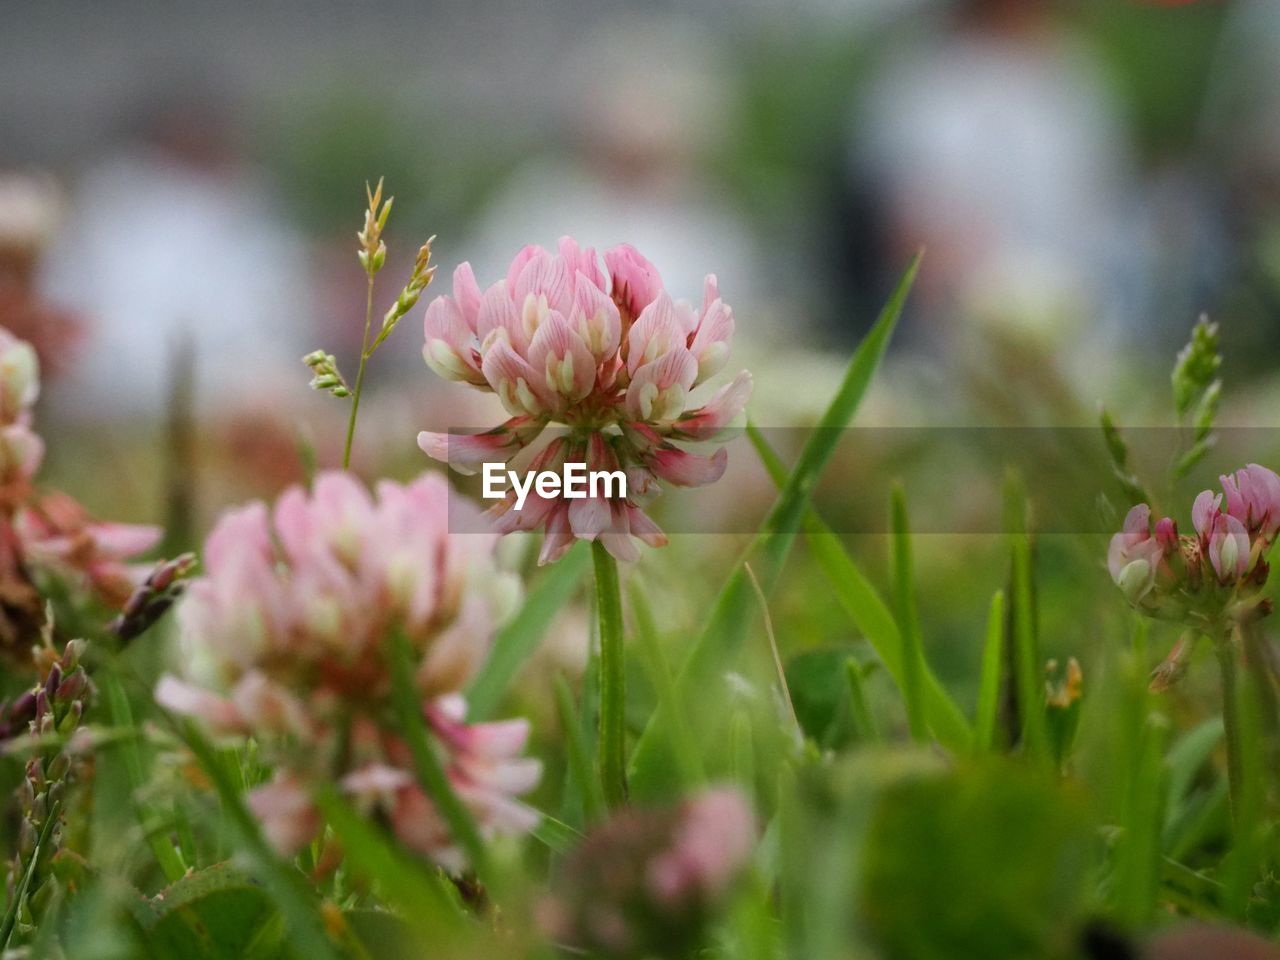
[635,281]
[1204,511]
[686,469]
[466,292]
[719,412]
[191,701]
[521,389]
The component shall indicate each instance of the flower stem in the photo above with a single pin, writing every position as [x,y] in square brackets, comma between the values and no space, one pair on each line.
[355,393]
[613,771]
[1230,722]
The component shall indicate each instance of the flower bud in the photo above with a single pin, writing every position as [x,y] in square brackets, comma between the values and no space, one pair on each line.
[73,687]
[1135,580]
[72,653]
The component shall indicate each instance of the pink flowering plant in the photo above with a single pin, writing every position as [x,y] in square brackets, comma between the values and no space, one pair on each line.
[287,637]
[607,354]
[611,358]
[372,729]
[49,543]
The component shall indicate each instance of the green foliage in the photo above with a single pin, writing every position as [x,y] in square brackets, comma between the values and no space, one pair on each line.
[215,912]
[1195,373]
[871,614]
[820,692]
[1197,392]
[906,615]
[714,650]
[1007,852]
[1119,453]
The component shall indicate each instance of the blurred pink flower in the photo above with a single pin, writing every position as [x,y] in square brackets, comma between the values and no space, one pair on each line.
[21,451]
[57,533]
[648,882]
[285,635]
[613,360]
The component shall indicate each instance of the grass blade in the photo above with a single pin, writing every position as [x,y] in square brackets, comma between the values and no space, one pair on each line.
[127,749]
[1027,662]
[556,835]
[517,641]
[984,733]
[1138,859]
[579,756]
[864,722]
[683,747]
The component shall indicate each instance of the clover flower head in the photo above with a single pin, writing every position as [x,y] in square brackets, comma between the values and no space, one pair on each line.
[1216,573]
[606,354]
[286,635]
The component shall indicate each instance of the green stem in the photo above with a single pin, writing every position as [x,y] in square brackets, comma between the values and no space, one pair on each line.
[1230,722]
[613,695]
[359,387]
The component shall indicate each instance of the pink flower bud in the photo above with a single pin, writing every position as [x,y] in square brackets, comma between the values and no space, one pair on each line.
[1229,548]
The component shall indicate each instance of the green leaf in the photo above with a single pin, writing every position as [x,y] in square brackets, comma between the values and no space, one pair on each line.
[1185,760]
[684,747]
[713,651]
[820,693]
[384,936]
[215,912]
[1137,856]
[519,638]
[869,613]
[864,722]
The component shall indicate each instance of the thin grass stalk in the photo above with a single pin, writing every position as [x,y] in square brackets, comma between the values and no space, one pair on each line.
[359,387]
